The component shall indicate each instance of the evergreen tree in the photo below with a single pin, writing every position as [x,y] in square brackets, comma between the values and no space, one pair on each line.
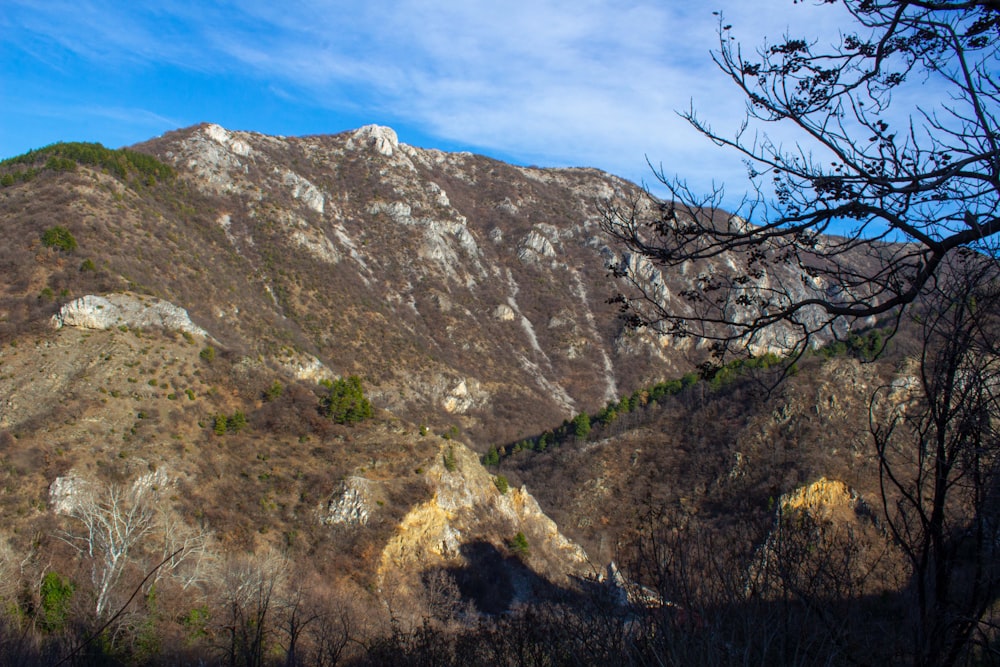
[346,402]
[581,425]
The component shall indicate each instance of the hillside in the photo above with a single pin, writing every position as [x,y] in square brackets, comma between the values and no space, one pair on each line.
[174,323]
[466,292]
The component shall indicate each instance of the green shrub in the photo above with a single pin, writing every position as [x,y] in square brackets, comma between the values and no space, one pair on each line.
[519,544]
[88,265]
[60,238]
[207,353]
[236,422]
[195,622]
[501,483]
[346,402]
[55,595]
[274,392]
[450,462]
[220,422]
[492,456]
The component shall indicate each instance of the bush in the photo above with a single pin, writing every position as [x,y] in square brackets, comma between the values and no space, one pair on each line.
[55,594]
[236,422]
[60,238]
[207,353]
[346,402]
[501,483]
[274,392]
[492,456]
[450,462]
[519,544]
[220,422]
[88,265]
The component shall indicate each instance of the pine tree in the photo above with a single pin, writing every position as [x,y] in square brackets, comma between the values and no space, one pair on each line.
[346,403]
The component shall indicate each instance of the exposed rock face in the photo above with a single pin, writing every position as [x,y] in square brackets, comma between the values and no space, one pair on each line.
[823,517]
[504,313]
[304,366]
[466,395]
[467,508]
[382,139]
[825,499]
[65,493]
[71,491]
[304,190]
[117,310]
[351,506]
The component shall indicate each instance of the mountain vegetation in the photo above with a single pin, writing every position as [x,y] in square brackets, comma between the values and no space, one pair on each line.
[337,400]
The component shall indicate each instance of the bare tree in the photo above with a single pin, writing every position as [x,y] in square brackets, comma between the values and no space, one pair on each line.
[252,587]
[188,550]
[116,518]
[940,468]
[904,189]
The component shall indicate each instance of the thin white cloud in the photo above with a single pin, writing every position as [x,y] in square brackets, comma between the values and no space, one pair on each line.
[553,82]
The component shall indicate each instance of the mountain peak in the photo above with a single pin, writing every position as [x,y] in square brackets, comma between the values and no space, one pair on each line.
[382,139]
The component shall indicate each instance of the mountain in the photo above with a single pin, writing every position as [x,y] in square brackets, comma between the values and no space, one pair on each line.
[176,317]
[465,291]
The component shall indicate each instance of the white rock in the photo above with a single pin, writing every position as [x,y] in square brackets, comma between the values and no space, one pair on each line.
[65,493]
[534,245]
[114,310]
[304,190]
[440,196]
[382,139]
[353,505]
[222,136]
[305,367]
[398,211]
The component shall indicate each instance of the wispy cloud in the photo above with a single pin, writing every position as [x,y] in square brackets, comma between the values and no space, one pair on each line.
[551,82]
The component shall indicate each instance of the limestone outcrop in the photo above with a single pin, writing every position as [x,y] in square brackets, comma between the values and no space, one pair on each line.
[125,310]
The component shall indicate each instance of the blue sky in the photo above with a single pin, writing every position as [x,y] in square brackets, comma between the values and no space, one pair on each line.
[543,82]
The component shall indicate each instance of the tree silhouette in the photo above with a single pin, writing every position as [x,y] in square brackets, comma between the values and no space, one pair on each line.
[903,188]
[939,460]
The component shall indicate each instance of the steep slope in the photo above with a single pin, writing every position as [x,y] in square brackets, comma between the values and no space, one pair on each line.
[723,453]
[466,291]
[89,409]
[167,323]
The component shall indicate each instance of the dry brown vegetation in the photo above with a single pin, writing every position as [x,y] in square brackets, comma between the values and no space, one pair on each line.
[694,495]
